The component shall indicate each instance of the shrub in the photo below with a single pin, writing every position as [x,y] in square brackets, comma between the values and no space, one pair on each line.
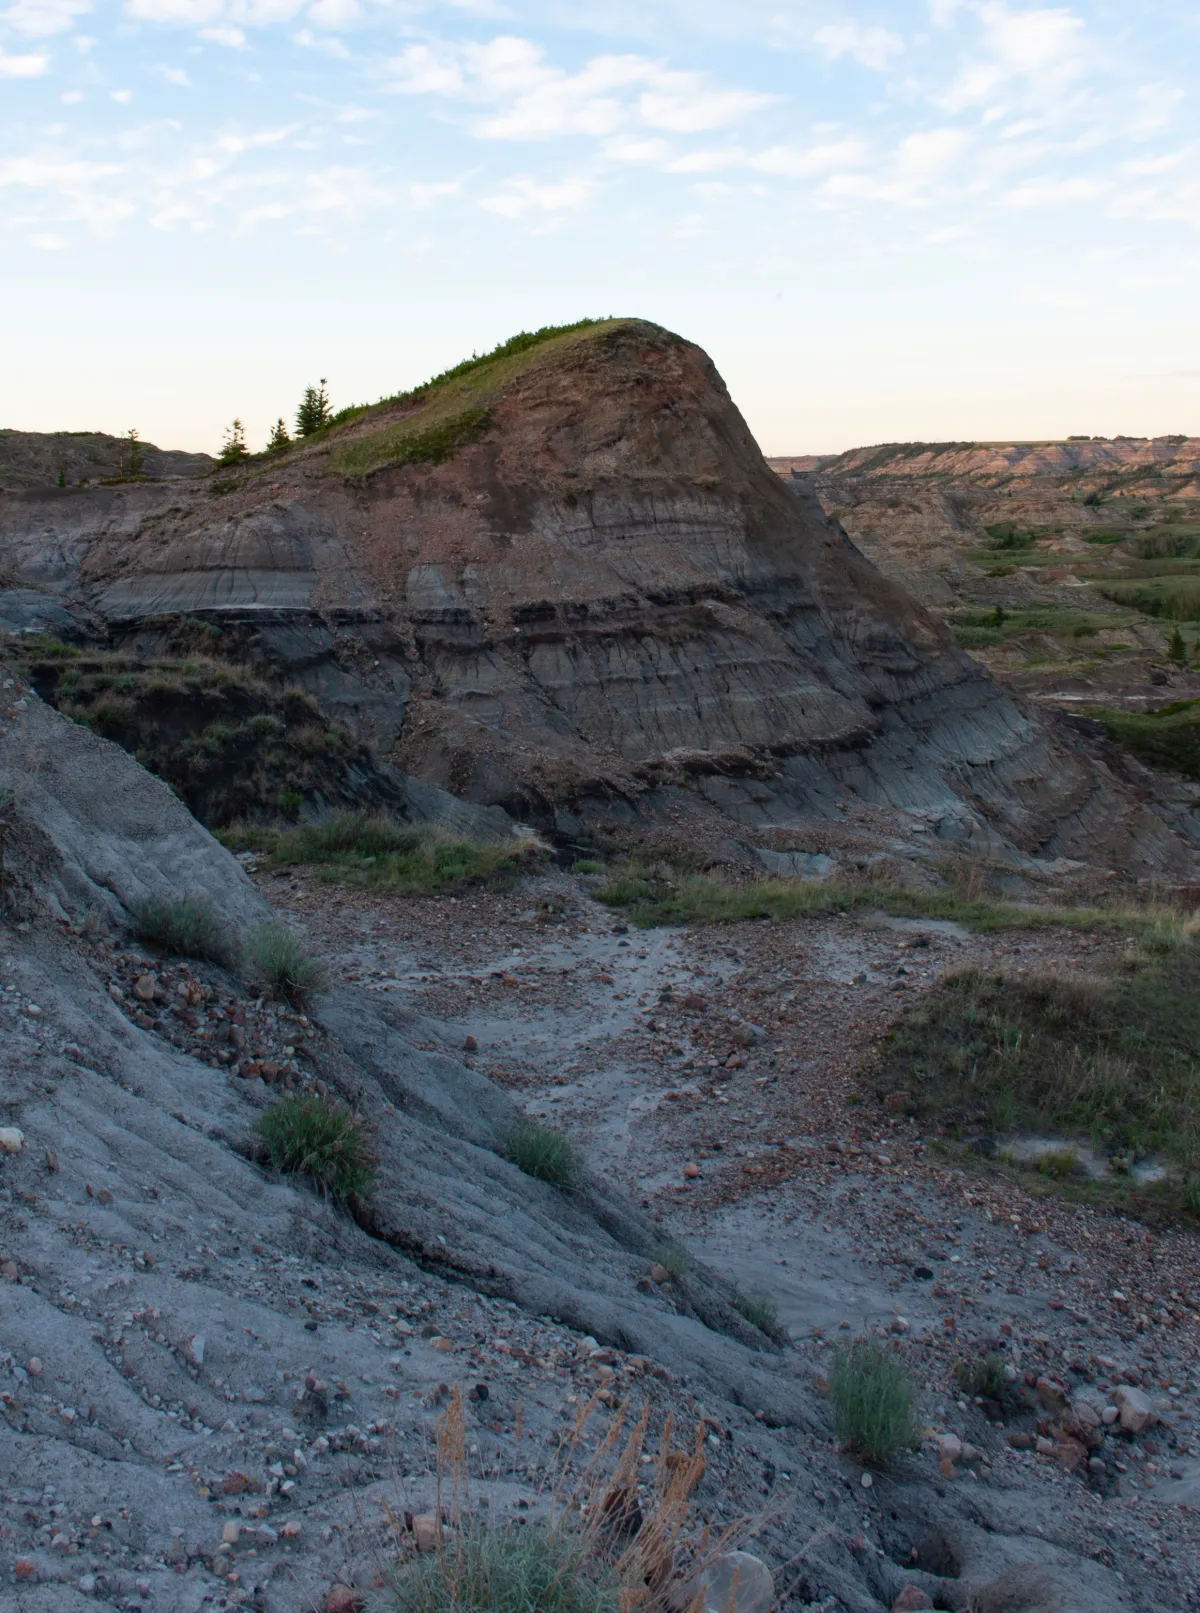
[1059,1162]
[311,1137]
[542,1152]
[872,1403]
[370,849]
[588,865]
[531,1568]
[278,965]
[985,1378]
[188,926]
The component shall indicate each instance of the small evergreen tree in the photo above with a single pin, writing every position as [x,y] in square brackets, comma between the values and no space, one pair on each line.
[280,437]
[998,616]
[234,447]
[1177,649]
[133,460]
[314,411]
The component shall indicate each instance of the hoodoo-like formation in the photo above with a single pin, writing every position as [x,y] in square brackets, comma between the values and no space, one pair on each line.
[564,579]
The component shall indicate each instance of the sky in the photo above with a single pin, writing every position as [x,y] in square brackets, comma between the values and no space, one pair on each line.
[892,221]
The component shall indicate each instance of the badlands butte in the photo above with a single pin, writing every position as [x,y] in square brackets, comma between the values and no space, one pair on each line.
[736,921]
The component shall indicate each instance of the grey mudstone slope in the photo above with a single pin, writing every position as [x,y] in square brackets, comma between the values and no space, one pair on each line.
[154,1330]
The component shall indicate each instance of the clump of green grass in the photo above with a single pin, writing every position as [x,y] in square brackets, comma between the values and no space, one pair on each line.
[362,848]
[1058,1162]
[1167,738]
[873,1408]
[984,1377]
[530,1568]
[760,1313]
[278,965]
[188,926]
[542,1152]
[588,865]
[311,1137]
[1115,1059]
[672,1256]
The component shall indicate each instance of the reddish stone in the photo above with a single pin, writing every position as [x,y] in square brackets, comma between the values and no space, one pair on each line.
[910,1600]
[235,1483]
[25,1568]
[341,1599]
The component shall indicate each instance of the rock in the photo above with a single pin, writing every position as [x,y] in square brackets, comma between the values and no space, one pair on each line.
[115,992]
[25,1569]
[341,1599]
[659,1274]
[1109,1416]
[194,1349]
[235,1483]
[145,987]
[230,1533]
[949,1447]
[292,1530]
[691,1170]
[470,1045]
[912,1599]
[1020,1440]
[1071,1454]
[34,1366]
[737,1582]
[12,1139]
[1134,1407]
[427,1530]
[1052,1395]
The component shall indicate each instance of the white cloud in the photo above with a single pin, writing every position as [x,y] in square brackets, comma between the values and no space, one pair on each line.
[71,97]
[1037,193]
[122,97]
[22,66]
[873,47]
[800,162]
[1041,51]
[426,195]
[523,196]
[335,14]
[235,144]
[46,242]
[174,75]
[231,38]
[535,100]
[41,18]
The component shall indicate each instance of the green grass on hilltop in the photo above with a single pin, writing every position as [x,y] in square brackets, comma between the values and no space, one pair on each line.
[451,410]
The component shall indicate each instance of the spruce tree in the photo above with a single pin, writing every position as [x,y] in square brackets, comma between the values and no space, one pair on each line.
[234,447]
[280,437]
[314,411]
[1177,649]
[134,458]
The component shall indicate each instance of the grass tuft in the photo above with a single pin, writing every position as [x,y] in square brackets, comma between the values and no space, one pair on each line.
[278,965]
[1167,738]
[672,1256]
[760,1313]
[535,1568]
[542,1152]
[186,926]
[985,1378]
[362,848]
[873,1405]
[311,1137]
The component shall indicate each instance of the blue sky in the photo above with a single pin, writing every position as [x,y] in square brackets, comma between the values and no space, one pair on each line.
[937,219]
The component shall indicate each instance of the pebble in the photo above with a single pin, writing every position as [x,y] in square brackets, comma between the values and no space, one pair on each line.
[230,1533]
[950,1447]
[691,1170]
[145,988]
[737,1582]
[1134,1408]
[34,1366]
[912,1599]
[341,1599]
[12,1139]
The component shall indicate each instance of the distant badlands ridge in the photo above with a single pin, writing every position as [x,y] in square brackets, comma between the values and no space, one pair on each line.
[1176,458]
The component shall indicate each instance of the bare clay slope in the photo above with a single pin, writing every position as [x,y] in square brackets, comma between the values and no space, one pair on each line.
[569,578]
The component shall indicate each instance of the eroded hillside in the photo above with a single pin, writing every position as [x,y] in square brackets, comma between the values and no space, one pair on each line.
[562,581]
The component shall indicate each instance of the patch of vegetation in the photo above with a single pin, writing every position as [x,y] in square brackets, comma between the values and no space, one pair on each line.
[1058,1162]
[984,1378]
[1114,1059]
[1168,738]
[656,897]
[449,411]
[228,743]
[530,1568]
[186,927]
[1105,534]
[760,1313]
[542,1152]
[1171,598]
[312,1137]
[873,1407]
[278,965]
[588,865]
[363,848]
[404,445]
[984,629]
[672,1256]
